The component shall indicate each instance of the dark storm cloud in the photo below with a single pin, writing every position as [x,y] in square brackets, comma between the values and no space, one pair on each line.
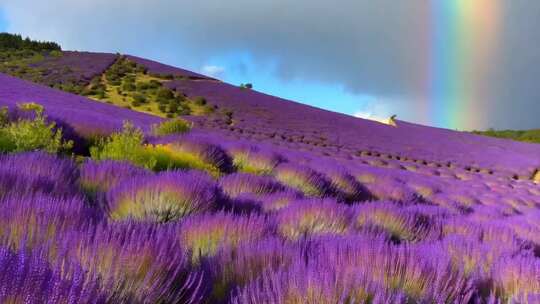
[372,47]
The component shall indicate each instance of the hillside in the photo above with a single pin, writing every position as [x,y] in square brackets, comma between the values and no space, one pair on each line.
[222,194]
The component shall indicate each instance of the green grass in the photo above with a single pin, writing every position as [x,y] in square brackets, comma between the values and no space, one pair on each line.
[530,136]
[126,84]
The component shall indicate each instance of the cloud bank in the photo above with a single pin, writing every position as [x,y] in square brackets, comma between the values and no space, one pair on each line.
[378,48]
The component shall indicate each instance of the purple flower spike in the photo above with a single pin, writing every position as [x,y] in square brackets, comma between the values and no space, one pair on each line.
[517,277]
[138,263]
[26,277]
[102,176]
[204,235]
[28,173]
[34,220]
[400,224]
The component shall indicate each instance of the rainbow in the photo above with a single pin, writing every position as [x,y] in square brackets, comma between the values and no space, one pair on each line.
[462,45]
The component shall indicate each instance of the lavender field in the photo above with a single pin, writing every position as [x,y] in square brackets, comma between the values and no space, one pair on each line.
[262,201]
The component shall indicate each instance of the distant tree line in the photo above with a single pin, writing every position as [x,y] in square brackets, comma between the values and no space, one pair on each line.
[532,136]
[16,42]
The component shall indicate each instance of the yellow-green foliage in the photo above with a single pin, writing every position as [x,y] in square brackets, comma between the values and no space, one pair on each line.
[298,181]
[128,145]
[250,163]
[31,134]
[172,126]
[125,145]
[161,205]
[4,117]
[169,158]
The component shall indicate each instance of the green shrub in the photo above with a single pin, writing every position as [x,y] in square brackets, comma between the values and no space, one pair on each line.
[30,135]
[173,106]
[125,145]
[6,144]
[165,93]
[141,69]
[199,100]
[128,86]
[142,86]
[184,110]
[139,98]
[173,126]
[154,84]
[4,116]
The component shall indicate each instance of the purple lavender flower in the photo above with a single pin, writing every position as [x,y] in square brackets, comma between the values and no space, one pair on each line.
[38,219]
[517,277]
[254,160]
[27,277]
[242,183]
[164,197]
[203,235]
[102,176]
[347,187]
[306,180]
[240,266]
[138,263]
[313,217]
[279,200]
[35,172]
[400,224]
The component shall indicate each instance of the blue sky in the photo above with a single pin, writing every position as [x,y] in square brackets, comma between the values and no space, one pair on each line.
[3,23]
[238,67]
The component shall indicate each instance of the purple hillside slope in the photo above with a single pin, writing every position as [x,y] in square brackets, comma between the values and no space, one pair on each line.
[84,115]
[79,67]
[268,118]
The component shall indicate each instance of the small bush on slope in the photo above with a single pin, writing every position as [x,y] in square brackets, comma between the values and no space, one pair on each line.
[173,126]
[31,134]
[126,145]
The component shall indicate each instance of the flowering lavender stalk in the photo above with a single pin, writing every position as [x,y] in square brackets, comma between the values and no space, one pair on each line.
[203,235]
[34,172]
[101,176]
[137,263]
[39,219]
[27,277]
[401,225]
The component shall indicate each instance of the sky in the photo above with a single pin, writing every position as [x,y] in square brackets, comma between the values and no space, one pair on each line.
[458,64]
